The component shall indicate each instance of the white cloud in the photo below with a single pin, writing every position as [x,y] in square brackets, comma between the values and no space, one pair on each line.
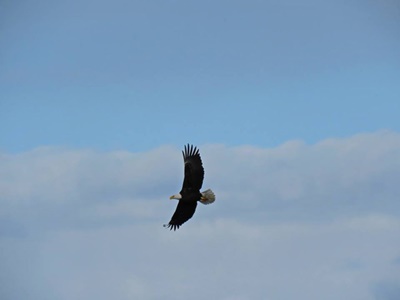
[297,221]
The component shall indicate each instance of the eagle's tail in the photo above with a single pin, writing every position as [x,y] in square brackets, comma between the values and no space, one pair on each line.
[207,197]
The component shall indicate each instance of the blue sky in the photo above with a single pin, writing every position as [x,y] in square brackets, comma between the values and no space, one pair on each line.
[135,75]
[294,107]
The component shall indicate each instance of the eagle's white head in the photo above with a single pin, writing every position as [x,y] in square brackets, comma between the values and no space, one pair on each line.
[177,197]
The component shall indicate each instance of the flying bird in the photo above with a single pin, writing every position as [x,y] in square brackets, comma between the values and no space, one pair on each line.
[190,192]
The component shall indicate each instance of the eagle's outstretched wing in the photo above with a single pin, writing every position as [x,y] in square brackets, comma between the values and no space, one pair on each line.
[194,171]
[184,211]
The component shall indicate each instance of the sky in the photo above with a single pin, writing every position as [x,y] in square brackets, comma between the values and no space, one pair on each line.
[294,107]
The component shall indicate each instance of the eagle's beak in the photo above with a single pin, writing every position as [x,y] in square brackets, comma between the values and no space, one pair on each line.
[172,197]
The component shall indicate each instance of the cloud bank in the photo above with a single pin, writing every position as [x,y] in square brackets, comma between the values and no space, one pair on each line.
[296,221]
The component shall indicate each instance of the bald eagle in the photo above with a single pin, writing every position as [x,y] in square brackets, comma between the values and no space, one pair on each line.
[190,192]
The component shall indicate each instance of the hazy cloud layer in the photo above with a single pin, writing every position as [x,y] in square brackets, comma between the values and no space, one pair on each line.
[294,222]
